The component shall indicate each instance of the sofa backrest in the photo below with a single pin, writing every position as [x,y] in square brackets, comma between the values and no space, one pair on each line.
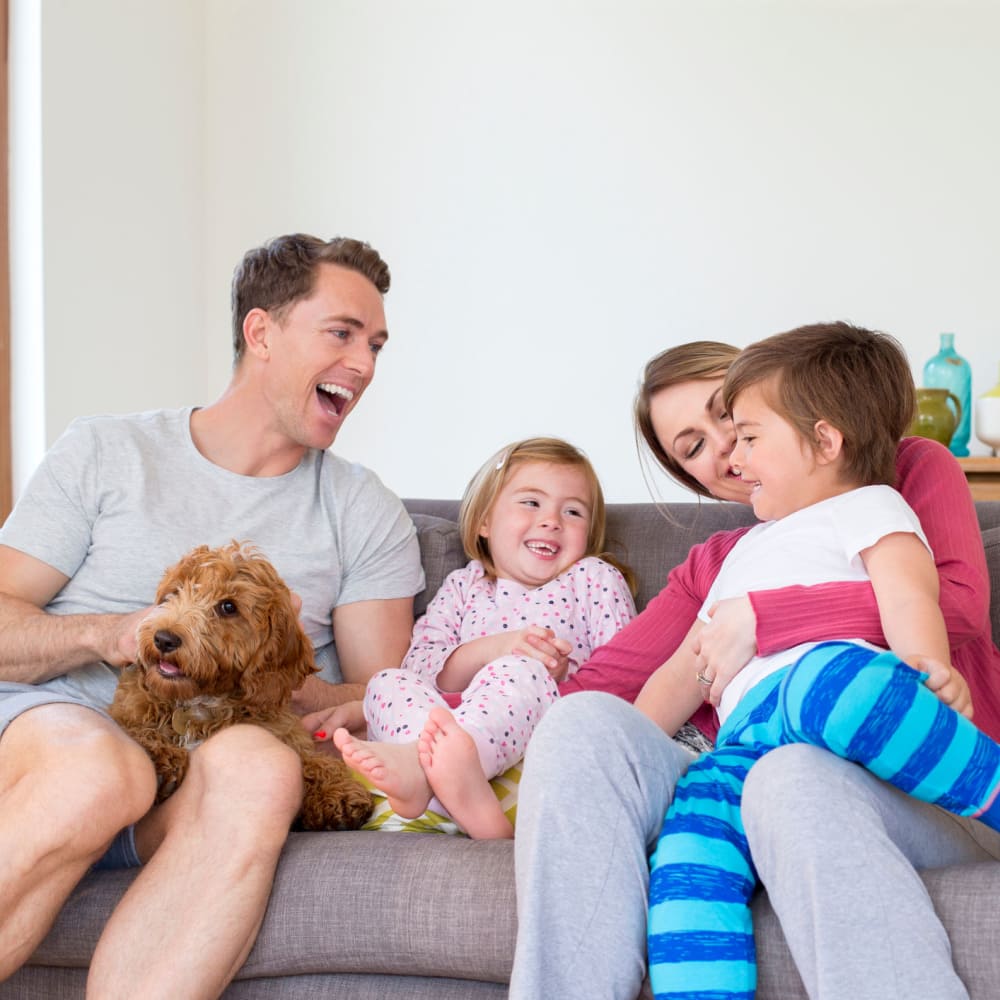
[651,538]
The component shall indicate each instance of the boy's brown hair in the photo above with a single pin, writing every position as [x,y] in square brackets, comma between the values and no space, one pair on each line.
[280,273]
[858,380]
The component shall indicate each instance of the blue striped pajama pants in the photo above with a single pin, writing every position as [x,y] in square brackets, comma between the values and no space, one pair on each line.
[862,705]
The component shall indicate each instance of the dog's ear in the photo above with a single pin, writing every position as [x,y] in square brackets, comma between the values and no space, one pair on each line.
[285,658]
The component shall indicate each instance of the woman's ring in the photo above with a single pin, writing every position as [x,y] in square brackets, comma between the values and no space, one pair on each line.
[702,679]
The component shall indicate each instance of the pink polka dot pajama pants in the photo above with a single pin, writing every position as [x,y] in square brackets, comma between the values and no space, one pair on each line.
[499,709]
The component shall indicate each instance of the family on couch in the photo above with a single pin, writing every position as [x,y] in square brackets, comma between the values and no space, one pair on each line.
[118,499]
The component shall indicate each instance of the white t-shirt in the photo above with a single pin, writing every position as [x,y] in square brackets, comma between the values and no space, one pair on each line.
[819,544]
[117,500]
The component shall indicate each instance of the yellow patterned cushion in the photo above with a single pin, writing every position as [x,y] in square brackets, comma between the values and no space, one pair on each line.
[383,818]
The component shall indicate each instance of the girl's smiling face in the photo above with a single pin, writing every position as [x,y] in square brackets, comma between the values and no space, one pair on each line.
[539,523]
[694,429]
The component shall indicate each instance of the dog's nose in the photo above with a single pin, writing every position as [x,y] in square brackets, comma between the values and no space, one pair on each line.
[166,642]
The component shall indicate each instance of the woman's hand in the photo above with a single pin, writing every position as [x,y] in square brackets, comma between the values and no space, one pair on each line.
[946,682]
[725,645]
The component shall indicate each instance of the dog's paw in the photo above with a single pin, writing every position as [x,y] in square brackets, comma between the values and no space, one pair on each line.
[171,764]
[335,803]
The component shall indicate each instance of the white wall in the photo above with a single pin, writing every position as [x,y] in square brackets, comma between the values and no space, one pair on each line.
[561,189]
[123,210]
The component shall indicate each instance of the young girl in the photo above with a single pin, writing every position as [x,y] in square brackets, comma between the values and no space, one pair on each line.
[818,413]
[537,598]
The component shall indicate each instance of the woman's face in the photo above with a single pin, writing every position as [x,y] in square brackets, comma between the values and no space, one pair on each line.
[696,432]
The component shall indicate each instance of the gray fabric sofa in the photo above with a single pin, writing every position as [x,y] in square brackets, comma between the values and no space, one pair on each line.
[393,915]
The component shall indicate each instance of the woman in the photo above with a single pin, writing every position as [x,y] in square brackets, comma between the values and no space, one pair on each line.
[586,820]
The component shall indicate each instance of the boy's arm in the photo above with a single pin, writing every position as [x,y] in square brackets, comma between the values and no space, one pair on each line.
[905,581]
[672,694]
[906,587]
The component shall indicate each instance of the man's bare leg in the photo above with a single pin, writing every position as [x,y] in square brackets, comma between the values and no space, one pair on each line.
[392,768]
[449,758]
[69,781]
[190,918]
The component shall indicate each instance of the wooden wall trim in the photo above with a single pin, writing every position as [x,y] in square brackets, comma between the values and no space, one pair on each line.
[6,464]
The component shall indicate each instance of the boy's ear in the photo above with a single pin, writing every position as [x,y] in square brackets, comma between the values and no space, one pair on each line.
[829,442]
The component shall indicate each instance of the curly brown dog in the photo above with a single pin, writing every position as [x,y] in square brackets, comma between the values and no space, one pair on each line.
[224,646]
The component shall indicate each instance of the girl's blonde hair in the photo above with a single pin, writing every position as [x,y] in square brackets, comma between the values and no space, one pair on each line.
[692,362]
[486,484]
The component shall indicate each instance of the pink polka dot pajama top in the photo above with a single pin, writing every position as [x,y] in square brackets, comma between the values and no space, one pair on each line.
[586,605]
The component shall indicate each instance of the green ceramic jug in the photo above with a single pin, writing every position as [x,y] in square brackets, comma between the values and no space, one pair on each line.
[938,414]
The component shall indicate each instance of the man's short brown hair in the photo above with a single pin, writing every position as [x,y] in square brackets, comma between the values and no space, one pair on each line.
[858,380]
[283,271]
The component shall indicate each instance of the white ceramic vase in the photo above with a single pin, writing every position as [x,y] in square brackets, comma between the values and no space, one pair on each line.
[988,421]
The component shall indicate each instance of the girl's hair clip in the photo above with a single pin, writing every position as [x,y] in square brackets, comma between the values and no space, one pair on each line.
[501,463]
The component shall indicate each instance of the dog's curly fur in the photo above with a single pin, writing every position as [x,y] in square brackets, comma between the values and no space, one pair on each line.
[224,646]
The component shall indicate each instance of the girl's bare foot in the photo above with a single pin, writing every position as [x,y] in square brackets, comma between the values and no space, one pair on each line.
[448,756]
[393,768]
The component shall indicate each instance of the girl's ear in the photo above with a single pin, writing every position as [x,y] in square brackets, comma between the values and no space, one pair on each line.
[829,442]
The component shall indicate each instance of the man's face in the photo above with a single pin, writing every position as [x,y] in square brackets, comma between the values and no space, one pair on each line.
[321,355]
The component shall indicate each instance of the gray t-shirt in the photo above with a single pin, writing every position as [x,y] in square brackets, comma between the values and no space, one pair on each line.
[119,499]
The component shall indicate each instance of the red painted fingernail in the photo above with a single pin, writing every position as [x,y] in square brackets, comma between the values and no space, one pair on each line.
[321,735]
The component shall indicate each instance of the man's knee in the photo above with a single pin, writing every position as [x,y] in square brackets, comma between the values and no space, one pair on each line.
[252,769]
[88,778]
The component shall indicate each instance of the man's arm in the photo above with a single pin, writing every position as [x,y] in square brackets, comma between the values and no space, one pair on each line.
[34,645]
[370,636]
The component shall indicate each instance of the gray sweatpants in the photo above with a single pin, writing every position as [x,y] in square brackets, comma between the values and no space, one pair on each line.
[838,851]
[597,780]
[836,848]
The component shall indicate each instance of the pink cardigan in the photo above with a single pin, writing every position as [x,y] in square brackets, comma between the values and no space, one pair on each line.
[933,484]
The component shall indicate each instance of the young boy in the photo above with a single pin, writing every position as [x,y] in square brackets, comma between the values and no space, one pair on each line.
[819,412]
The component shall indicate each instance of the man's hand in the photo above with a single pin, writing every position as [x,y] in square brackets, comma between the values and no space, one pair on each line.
[946,682]
[726,644]
[121,639]
[322,724]
[316,694]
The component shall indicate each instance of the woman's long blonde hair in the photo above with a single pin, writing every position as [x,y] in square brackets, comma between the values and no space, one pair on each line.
[695,361]
[486,484]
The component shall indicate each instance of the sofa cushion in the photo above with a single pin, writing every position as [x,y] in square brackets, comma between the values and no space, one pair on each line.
[991,543]
[384,819]
[440,553]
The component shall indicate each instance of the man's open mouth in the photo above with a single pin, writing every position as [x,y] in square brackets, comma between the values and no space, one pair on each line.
[335,396]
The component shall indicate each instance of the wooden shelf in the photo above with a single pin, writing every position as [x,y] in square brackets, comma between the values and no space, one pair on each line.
[983,474]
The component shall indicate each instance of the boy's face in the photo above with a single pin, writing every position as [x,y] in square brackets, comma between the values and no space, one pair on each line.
[778,465]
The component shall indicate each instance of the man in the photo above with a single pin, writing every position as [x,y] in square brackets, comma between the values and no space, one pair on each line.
[117,500]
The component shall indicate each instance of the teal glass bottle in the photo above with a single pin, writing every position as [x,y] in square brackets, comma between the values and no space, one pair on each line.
[949,370]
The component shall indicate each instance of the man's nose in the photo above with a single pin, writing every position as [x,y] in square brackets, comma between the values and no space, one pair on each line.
[360,358]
